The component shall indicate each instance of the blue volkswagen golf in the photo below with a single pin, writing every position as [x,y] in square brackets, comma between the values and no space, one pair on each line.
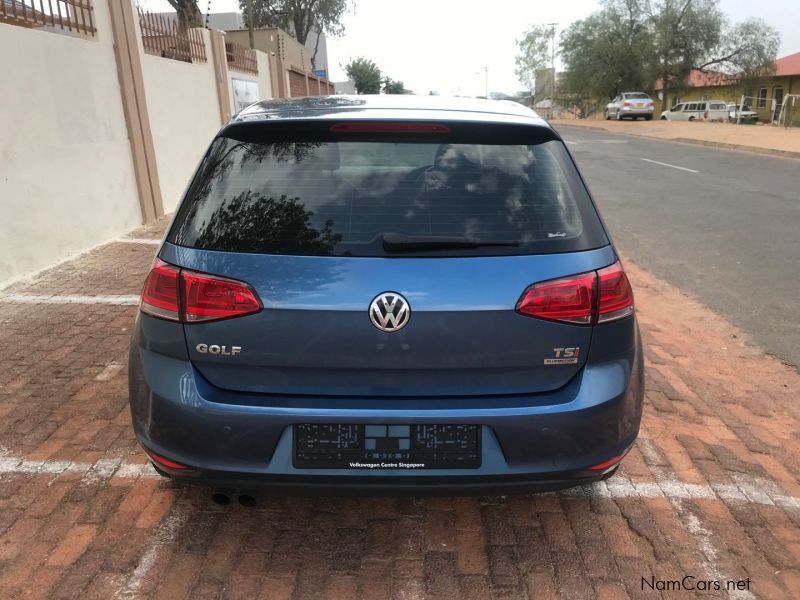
[387,294]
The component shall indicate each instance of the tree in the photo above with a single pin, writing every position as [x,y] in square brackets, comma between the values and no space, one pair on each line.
[252,222]
[188,13]
[365,74]
[393,86]
[535,53]
[695,34]
[629,44]
[607,52]
[684,31]
[298,17]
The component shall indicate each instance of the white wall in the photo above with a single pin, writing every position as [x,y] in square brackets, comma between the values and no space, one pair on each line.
[66,176]
[67,181]
[184,117]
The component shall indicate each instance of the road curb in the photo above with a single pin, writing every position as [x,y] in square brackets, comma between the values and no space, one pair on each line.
[742,147]
[696,142]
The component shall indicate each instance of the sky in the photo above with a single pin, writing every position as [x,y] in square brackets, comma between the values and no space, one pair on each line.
[450,46]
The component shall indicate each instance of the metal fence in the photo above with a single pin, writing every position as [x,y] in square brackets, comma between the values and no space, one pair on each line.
[241,58]
[68,15]
[164,37]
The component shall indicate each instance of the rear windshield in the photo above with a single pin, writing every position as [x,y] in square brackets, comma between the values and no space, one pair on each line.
[341,197]
[637,96]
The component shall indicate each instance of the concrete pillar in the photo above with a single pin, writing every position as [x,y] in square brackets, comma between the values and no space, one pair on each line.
[131,83]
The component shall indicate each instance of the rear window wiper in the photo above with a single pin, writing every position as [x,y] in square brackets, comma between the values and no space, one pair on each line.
[399,242]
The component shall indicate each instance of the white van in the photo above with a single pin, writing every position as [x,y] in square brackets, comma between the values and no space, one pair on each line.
[706,110]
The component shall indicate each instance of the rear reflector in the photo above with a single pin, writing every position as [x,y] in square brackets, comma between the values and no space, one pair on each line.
[615,297]
[209,298]
[569,300]
[160,293]
[203,298]
[573,299]
[164,462]
[607,464]
[371,127]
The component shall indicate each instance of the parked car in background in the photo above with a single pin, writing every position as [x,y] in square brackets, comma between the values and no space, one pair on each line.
[707,110]
[630,105]
[390,293]
[743,115]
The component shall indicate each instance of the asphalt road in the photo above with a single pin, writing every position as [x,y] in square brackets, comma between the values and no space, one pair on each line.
[722,225]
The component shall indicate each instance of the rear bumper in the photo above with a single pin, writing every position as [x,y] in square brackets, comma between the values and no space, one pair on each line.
[315,485]
[538,442]
[637,111]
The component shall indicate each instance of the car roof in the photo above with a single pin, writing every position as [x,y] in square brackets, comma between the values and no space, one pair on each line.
[394,107]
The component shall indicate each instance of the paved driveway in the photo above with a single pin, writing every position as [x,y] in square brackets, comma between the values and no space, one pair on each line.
[711,491]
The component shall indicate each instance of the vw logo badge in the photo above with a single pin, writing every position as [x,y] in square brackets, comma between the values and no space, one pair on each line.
[389,312]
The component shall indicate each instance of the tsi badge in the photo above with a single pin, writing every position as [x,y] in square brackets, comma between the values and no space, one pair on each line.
[221,350]
[564,356]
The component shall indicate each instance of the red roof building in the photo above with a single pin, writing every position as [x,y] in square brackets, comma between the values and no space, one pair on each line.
[788,65]
[765,96]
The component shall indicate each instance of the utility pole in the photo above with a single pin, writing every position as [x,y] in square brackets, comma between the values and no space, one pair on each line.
[485,80]
[250,24]
[552,27]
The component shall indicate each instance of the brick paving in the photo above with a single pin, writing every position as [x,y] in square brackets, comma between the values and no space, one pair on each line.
[711,490]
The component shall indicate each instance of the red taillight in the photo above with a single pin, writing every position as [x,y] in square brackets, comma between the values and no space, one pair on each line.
[569,299]
[705,115]
[573,299]
[606,464]
[626,103]
[160,293]
[208,298]
[373,127]
[205,297]
[615,296]
[164,462]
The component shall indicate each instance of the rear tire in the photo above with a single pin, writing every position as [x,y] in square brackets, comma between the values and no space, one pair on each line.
[619,116]
[663,118]
[648,117]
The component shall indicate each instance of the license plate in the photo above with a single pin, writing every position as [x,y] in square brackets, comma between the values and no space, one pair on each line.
[639,104]
[396,447]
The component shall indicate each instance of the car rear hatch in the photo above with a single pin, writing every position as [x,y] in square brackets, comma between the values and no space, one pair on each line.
[454,221]
[638,101]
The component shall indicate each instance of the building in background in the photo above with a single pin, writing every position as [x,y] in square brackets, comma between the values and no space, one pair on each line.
[344,87]
[763,95]
[291,68]
[316,43]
